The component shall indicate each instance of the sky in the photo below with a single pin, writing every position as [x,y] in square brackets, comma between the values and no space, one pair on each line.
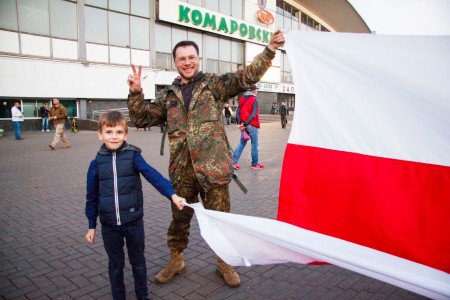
[405,17]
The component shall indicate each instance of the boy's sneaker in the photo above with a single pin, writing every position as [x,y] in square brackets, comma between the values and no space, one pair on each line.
[236,167]
[258,167]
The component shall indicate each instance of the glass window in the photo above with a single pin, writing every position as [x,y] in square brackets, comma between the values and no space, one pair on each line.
[98,3]
[295,14]
[279,20]
[119,5]
[197,38]
[316,25]
[304,18]
[212,66]
[178,35]
[212,49]
[236,8]
[225,67]
[33,16]
[225,50]
[163,61]
[287,23]
[163,45]
[63,19]
[140,29]
[71,106]
[96,25]
[225,7]
[287,10]
[8,14]
[119,29]
[30,109]
[140,8]
[287,66]
[280,5]
[5,107]
[237,52]
[196,2]
[213,5]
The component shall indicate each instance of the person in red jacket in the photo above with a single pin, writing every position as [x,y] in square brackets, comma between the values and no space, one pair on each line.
[247,116]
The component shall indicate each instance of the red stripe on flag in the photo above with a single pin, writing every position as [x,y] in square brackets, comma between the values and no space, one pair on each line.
[395,206]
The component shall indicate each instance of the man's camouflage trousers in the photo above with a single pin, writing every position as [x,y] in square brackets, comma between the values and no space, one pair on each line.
[217,198]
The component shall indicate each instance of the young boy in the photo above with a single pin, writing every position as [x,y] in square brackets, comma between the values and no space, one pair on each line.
[114,192]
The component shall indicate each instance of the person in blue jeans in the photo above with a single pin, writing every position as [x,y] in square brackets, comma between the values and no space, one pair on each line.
[44,115]
[17,118]
[247,116]
[114,193]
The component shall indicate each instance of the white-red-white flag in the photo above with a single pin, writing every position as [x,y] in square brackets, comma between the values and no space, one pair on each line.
[366,172]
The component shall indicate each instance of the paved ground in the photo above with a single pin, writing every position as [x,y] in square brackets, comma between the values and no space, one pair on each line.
[43,254]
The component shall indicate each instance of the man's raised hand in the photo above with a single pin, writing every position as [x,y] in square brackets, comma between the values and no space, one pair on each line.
[134,81]
[277,40]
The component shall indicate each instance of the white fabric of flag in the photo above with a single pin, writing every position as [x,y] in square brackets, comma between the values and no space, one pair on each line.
[246,240]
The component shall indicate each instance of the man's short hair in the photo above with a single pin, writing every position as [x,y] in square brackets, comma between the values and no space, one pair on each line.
[184,44]
[112,118]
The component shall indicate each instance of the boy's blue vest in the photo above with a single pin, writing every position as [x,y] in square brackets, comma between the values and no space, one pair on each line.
[123,203]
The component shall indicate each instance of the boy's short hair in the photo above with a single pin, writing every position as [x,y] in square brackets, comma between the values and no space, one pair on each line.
[112,118]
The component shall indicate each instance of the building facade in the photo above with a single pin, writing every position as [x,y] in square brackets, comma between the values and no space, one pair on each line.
[80,51]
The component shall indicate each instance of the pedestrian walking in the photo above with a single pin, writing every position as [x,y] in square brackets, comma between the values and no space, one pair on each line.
[58,113]
[247,116]
[283,113]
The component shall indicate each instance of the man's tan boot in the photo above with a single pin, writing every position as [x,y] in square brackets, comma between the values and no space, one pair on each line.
[228,273]
[174,266]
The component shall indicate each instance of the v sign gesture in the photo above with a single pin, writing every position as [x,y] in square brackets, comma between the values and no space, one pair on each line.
[134,81]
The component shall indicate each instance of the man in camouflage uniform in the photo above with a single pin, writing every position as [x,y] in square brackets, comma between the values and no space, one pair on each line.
[200,155]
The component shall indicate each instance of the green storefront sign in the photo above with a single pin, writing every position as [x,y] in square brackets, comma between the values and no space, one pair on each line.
[221,24]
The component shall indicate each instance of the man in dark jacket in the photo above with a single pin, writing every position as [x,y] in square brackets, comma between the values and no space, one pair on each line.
[44,116]
[283,113]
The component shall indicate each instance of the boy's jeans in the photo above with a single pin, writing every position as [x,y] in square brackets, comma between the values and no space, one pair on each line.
[113,239]
[253,133]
